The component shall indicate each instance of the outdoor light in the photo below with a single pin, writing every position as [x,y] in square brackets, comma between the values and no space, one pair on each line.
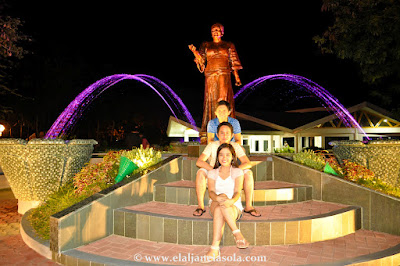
[2,128]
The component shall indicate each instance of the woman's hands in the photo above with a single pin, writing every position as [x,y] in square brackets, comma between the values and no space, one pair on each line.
[224,201]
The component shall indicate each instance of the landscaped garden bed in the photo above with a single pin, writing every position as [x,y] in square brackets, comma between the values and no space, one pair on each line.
[91,179]
[348,170]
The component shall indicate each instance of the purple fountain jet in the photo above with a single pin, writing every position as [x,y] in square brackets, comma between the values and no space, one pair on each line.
[68,118]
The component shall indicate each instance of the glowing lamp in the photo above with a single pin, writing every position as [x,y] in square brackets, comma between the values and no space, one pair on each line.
[2,128]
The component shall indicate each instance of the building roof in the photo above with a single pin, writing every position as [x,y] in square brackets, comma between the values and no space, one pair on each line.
[293,121]
[302,119]
[177,128]
[253,123]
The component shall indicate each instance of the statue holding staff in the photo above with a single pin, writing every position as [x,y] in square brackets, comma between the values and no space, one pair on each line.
[217,59]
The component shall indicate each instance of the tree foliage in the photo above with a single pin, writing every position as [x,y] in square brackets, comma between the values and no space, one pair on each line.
[366,32]
[11,49]
[11,37]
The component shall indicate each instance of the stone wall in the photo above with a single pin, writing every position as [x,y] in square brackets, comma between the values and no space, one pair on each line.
[92,218]
[380,212]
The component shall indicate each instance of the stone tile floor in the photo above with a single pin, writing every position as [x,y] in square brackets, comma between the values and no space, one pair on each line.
[13,250]
[362,242]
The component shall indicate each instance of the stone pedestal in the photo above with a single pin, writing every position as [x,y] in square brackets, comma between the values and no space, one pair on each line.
[36,169]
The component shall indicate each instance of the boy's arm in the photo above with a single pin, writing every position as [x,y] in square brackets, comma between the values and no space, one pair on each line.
[244,162]
[238,138]
[202,162]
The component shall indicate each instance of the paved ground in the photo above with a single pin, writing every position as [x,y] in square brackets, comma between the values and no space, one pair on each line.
[362,242]
[13,250]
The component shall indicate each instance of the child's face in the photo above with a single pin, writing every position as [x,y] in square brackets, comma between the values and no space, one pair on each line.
[222,112]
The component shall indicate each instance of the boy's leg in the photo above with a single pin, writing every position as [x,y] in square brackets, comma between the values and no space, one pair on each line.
[201,186]
[248,187]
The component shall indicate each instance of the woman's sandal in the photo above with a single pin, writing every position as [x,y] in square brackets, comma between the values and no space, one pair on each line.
[243,243]
[209,259]
[199,212]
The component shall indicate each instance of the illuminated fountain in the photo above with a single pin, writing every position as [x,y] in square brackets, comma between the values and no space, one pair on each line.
[68,118]
[326,98]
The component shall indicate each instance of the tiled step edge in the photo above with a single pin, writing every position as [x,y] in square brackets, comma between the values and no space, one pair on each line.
[32,240]
[262,196]
[389,257]
[195,231]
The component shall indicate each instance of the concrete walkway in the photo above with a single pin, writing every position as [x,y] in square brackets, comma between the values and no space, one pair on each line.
[13,250]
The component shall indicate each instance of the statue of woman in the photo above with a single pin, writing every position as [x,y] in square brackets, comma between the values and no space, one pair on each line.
[217,59]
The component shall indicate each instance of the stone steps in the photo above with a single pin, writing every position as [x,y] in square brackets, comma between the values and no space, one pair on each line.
[265,193]
[303,222]
[294,229]
[291,231]
[362,247]
[148,223]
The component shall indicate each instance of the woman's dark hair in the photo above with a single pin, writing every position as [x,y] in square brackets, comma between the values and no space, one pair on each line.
[232,150]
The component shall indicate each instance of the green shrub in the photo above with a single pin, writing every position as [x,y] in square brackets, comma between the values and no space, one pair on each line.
[143,157]
[96,177]
[311,159]
[287,149]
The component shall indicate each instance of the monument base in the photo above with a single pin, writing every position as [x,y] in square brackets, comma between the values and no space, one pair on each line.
[203,138]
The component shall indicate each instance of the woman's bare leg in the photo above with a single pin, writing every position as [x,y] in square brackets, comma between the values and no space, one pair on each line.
[230,214]
[218,228]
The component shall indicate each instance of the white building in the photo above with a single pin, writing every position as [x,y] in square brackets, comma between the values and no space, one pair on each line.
[313,127]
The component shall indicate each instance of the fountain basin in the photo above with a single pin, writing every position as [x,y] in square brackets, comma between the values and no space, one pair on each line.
[37,168]
[380,156]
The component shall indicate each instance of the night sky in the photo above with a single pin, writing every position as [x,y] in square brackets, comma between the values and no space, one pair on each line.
[84,43]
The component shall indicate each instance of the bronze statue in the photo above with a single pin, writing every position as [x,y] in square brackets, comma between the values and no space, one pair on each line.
[217,59]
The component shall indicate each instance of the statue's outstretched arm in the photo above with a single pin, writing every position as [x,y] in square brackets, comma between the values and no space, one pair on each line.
[197,58]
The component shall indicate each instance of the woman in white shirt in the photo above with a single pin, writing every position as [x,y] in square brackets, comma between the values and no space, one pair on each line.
[225,183]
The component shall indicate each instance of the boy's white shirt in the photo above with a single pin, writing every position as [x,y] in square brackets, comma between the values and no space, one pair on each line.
[211,151]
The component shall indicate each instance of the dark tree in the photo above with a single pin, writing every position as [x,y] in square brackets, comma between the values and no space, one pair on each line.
[366,32]
[11,50]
